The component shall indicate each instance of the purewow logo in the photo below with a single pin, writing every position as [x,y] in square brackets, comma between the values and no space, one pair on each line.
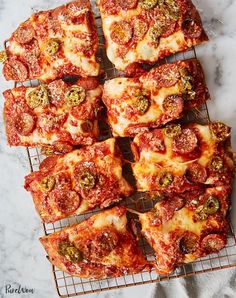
[18,289]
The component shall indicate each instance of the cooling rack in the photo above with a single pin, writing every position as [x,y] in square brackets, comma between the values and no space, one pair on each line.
[68,286]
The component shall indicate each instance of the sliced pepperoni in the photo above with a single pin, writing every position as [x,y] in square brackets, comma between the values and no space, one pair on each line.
[192,28]
[168,29]
[189,243]
[49,163]
[173,106]
[50,122]
[213,243]
[83,111]
[102,244]
[167,210]
[220,131]
[54,27]
[15,70]
[109,7]
[166,25]
[35,69]
[140,28]
[25,124]
[25,33]
[57,90]
[62,147]
[89,83]
[166,75]
[174,204]
[153,141]
[121,32]
[128,4]
[134,70]
[63,180]
[86,126]
[186,142]
[66,201]
[32,51]
[196,173]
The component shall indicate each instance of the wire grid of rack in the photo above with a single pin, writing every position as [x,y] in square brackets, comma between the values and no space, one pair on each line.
[69,286]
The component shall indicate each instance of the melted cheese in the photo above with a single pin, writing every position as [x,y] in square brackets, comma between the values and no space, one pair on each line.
[180,223]
[71,44]
[125,258]
[117,99]
[144,50]
[71,125]
[106,163]
[151,163]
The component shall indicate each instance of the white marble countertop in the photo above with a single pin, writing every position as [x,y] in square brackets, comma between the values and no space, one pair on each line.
[22,259]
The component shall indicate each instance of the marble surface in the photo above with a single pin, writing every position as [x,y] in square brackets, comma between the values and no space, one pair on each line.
[22,259]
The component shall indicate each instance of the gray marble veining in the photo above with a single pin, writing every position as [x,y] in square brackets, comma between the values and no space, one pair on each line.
[22,259]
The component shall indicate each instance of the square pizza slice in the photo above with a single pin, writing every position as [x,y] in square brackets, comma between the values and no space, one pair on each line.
[155,98]
[186,227]
[59,114]
[100,247]
[79,181]
[178,158]
[52,44]
[144,31]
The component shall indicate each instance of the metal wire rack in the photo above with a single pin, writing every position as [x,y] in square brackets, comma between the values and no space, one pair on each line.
[68,286]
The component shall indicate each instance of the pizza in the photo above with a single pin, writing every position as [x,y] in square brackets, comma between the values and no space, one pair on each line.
[178,158]
[52,44]
[56,116]
[78,181]
[185,227]
[108,250]
[144,31]
[157,97]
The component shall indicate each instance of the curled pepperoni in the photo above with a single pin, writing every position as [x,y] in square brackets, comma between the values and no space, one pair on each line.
[89,83]
[24,33]
[186,142]
[173,106]
[57,91]
[62,147]
[49,163]
[25,124]
[196,173]
[15,70]
[121,32]
[128,4]
[192,28]
[213,243]
[166,75]
[66,201]
[189,243]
